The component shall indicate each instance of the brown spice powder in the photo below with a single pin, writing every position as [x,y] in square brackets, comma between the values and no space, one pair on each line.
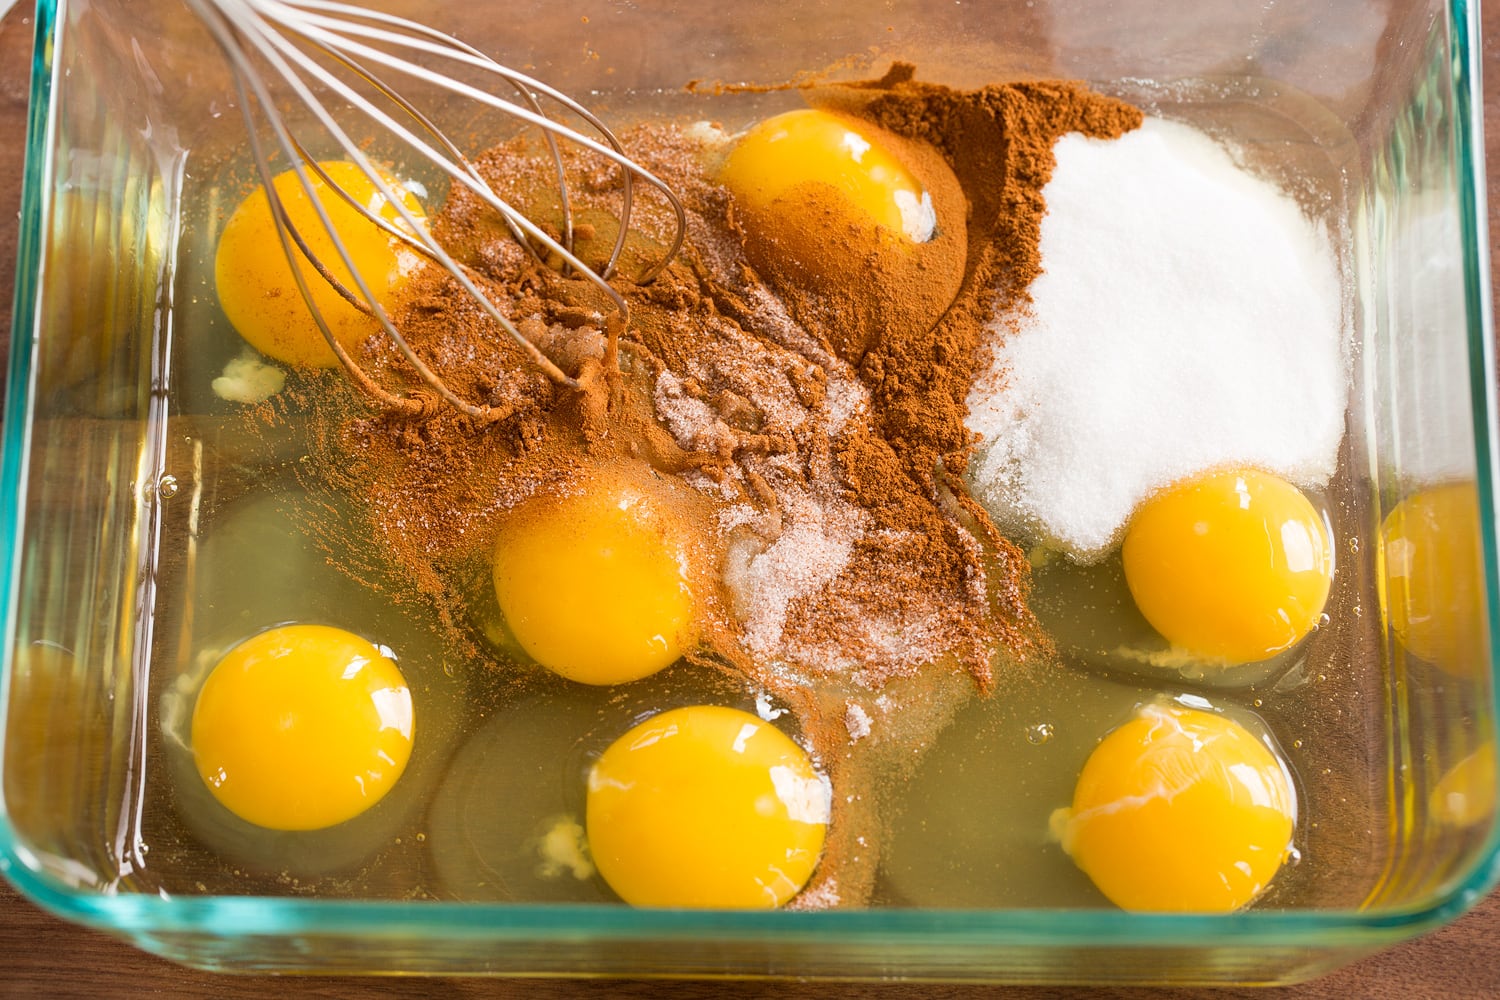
[824,418]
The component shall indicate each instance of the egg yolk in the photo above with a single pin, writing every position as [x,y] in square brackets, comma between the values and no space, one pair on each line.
[595,584]
[1432,578]
[706,807]
[1179,810]
[255,284]
[777,169]
[1465,796]
[302,727]
[1231,566]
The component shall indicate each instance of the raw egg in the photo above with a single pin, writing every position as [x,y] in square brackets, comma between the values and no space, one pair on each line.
[1431,577]
[596,584]
[285,534]
[507,822]
[871,223]
[1179,810]
[302,727]
[1232,566]
[706,806]
[255,284]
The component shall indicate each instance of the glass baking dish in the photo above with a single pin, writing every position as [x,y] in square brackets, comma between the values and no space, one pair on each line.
[123,466]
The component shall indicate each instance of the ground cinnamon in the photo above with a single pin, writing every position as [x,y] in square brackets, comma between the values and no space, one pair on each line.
[822,427]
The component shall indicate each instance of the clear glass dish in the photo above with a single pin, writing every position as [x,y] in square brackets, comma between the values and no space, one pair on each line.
[121,463]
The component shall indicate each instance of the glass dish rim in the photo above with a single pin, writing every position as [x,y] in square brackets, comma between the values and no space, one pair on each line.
[231,917]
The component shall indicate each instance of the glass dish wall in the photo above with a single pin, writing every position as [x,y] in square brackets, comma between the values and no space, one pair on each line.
[126,470]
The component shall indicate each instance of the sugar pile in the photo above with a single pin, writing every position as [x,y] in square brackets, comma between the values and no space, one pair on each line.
[1188,317]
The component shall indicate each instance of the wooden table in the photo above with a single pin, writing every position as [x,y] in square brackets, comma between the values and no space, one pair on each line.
[44,957]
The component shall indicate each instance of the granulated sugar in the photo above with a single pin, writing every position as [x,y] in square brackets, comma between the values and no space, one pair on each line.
[816,537]
[1188,316]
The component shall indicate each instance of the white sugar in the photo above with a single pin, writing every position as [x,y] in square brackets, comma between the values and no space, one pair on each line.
[1189,316]
[857,721]
[816,539]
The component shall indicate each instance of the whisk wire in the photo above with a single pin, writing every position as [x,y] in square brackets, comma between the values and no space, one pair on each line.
[473,180]
[288,234]
[551,129]
[559,173]
[338,34]
[528,87]
[270,30]
[368,301]
[431,246]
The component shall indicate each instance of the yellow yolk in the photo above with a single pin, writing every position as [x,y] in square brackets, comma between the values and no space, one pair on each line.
[785,168]
[1465,796]
[595,585]
[302,727]
[255,284]
[1179,810]
[1232,566]
[706,807]
[842,212]
[781,154]
[1432,577]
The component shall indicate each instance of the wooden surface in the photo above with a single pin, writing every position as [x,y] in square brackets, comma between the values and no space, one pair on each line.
[43,957]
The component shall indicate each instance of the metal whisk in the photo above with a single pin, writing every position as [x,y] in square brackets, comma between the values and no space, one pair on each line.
[319,46]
